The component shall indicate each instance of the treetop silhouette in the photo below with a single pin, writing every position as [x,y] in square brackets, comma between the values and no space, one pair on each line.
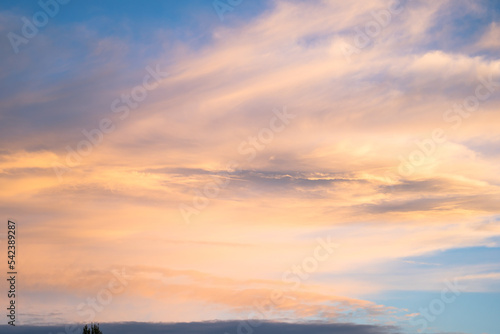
[93,329]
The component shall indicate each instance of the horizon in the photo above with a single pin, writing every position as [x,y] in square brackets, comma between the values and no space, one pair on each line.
[235,326]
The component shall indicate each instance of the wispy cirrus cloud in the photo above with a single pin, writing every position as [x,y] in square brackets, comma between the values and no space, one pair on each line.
[326,174]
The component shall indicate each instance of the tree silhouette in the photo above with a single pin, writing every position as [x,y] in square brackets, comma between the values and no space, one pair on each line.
[93,329]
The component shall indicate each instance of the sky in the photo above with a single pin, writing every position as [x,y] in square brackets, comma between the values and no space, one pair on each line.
[252,166]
